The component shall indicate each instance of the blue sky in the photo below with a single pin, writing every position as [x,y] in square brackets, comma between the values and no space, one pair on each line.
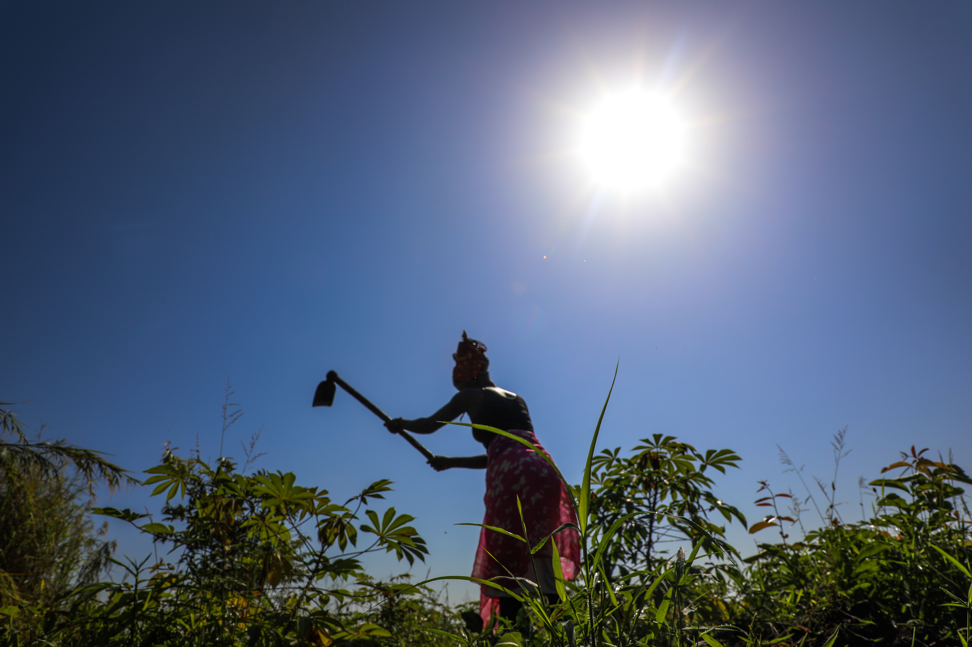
[262,192]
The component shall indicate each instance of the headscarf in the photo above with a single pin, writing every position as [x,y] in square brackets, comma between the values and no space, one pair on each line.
[470,359]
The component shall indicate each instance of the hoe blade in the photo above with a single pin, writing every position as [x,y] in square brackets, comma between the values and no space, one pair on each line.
[324,396]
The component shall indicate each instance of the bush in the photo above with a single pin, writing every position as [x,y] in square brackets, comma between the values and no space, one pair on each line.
[48,543]
[256,559]
[898,576]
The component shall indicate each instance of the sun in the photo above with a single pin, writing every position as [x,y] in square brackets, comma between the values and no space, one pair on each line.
[632,141]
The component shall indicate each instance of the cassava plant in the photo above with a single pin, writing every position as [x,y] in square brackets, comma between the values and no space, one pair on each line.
[664,491]
[256,560]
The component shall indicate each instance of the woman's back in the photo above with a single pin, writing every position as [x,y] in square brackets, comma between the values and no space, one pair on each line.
[501,409]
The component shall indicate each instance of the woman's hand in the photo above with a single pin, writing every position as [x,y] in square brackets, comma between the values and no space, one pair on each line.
[440,463]
[394,425]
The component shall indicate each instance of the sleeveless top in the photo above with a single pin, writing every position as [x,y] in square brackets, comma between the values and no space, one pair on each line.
[502,412]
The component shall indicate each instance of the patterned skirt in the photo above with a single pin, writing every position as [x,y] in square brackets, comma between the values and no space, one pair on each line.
[514,470]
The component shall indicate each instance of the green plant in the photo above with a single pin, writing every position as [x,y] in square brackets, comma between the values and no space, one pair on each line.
[411,615]
[50,457]
[964,633]
[891,577]
[48,543]
[254,559]
[257,559]
[663,490]
[260,560]
[650,601]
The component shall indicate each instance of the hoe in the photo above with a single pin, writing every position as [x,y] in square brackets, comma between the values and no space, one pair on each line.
[324,397]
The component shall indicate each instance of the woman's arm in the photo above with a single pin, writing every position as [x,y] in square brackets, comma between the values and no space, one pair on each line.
[465,401]
[440,463]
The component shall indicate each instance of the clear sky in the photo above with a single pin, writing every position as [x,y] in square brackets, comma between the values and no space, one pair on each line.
[258,191]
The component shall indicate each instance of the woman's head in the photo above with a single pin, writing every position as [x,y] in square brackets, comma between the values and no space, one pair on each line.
[471,362]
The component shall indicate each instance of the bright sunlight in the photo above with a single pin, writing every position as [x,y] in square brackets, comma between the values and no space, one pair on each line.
[632,141]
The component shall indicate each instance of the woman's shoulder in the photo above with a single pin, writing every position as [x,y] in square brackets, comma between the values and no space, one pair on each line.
[469,399]
[503,393]
[497,397]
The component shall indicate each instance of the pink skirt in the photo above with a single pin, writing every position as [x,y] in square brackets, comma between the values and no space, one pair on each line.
[514,470]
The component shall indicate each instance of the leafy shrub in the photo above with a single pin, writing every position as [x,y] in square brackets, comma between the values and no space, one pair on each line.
[48,543]
[664,490]
[897,577]
[258,560]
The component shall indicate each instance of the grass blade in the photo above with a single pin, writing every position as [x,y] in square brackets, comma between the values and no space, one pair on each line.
[558,572]
[495,529]
[585,493]
[954,561]
[663,607]
[830,642]
[522,441]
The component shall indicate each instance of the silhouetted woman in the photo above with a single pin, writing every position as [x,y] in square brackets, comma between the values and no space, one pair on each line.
[512,469]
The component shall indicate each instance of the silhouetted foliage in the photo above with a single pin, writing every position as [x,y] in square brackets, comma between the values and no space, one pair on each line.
[256,559]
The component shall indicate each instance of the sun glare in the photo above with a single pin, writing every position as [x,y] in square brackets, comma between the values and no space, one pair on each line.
[632,141]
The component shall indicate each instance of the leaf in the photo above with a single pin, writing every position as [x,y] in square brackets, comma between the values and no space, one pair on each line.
[954,561]
[395,536]
[543,542]
[374,490]
[124,515]
[871,550]
[610,589]
[585,493]
[607,536]
[894,501]
[374,630]
[323,637]
[756,527]
[558,571]
[172,476]
[476,580]
[830,642]
[274,574]
[894,466]
[712,641]
[493,528]
[663,608]
[526,535]
[158,528]
[654,585]
[512,639]
[892,483]
[960,603]
[870,565]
